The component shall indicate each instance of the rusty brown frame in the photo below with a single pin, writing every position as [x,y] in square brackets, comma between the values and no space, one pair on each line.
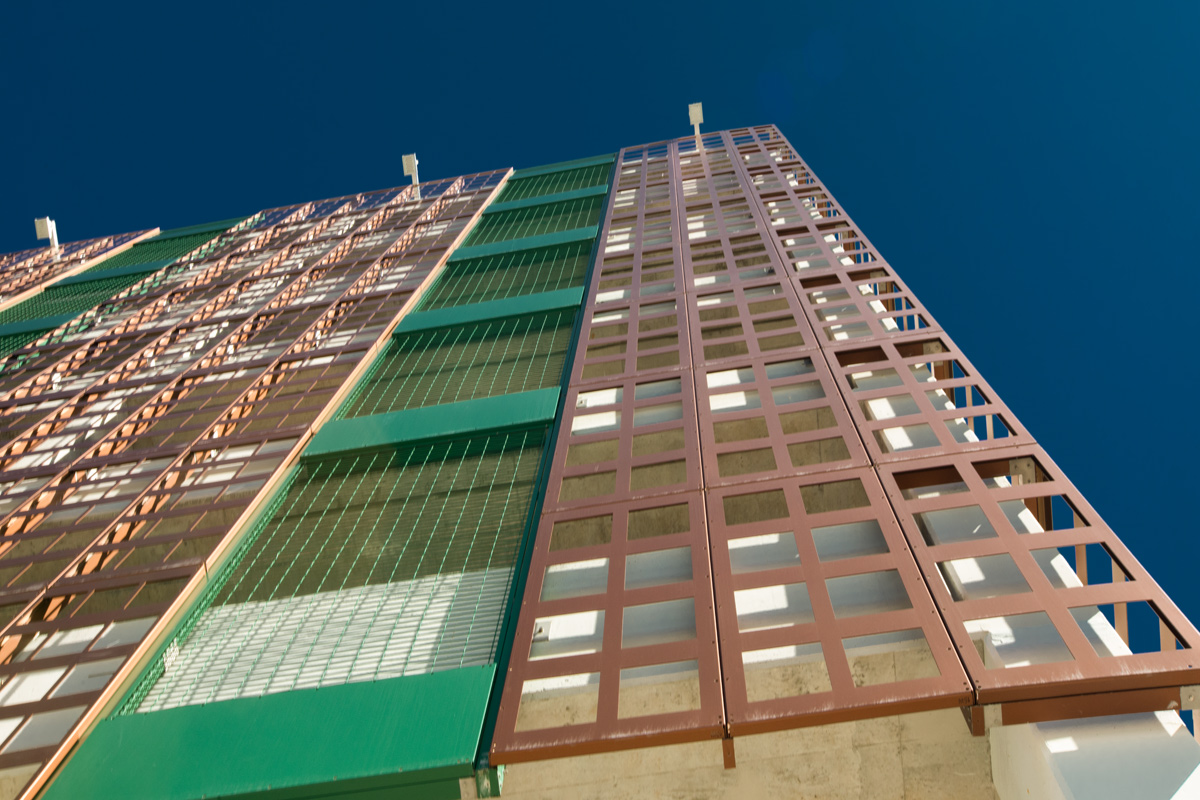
[904,355]
[1087,673]
[802,421]
[608,731]
[844,700]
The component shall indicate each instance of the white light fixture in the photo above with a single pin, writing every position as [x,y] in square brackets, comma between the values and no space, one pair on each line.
[46,229]
[410,169]
[695,117]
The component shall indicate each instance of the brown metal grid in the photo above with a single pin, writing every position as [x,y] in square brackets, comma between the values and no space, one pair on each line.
[626,440]
[918,397]
[862,304]
[122,531]
[598,640]
[623,339]
[1003,535]
[823,614]
[770,418]
[746,321]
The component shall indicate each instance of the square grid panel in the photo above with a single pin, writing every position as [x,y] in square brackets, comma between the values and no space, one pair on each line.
[1023,570]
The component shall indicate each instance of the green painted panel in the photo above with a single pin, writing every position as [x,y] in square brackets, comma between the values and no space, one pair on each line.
[563,165]
[206,227]
[558,197]
[36,325]
[586,233]
[495,309]
[115,272]
[417,731]
[520,410]
[537,220]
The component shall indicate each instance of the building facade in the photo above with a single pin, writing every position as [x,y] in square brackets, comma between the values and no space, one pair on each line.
[643,473]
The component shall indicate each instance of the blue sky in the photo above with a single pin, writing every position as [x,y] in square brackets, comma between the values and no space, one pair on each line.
[1031,172]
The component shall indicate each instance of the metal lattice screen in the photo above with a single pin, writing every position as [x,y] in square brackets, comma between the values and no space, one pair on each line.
[372,566]
[478,280]
[447,365]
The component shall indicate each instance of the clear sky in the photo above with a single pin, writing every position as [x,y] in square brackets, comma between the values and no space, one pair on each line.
[1031,170]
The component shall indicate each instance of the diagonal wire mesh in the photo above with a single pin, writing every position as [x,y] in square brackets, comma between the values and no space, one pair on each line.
[520,223]
[478,280]
[552,183]
[372,566]
[447,365]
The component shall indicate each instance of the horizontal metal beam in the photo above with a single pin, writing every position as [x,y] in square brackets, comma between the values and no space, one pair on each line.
[452,316]
[507,411]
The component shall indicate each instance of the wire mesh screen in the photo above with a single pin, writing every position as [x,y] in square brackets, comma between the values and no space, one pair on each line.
[554,182]
[478,280]
[447,365]
[73,299]
[504,226]
[372,566]
[159,248]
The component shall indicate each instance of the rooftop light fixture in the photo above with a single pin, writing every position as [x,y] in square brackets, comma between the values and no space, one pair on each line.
[410,169]
[46,229]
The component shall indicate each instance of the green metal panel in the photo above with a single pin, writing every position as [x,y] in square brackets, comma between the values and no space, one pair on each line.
[563,165]
[206,227]
[13,342]
[361,434]
[416,731]
[480,280]
[585,234]
[536,221]
[36,325]
[103,272]
[167,247]
[538,200]
[496,309]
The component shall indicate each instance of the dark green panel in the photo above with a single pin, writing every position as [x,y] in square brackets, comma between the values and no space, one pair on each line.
[547,183]
[586,234]
[103,272]
[497,309]
[537,200]
[364,434]
[417,731]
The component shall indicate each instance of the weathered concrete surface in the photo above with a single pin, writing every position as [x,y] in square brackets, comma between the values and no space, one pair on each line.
[925,756]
